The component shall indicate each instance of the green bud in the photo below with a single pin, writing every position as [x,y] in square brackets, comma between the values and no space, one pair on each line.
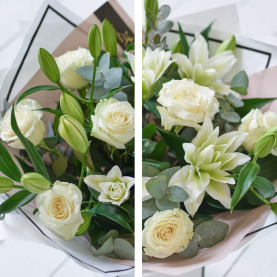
[84,226]
[73,132]
[48,65]
[35,182]
[226,45]
[151,9]
[176,47]
[70,106]
[109,38]
[6,184]
[94,41]
[264,145]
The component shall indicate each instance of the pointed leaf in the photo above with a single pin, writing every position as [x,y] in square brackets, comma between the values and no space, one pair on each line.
[184,42]
[205,33]
[176,194]
[149,208]
[157,187]
[106,248]
[111,234]
[191,250]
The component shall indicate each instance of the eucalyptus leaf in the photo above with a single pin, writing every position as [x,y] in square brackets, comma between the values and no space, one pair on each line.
[157,187]
[51,141]
[165,204]
[232,117]
[240,80]
[211,233]
[169,172]
[176,194]
[234,101]
[106,248]
[164,27]
[111,234]
[157,164]
[148,170]
[149,208]
[197,222]
[86,72]
[124,249]
[246,177]
[150,21]
[7,166]
[239,90]
[163,12]
[144,257]
[191,250]
[157,39]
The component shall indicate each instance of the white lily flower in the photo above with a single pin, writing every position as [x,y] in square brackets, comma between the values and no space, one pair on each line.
[210,157]
[131,60]
[114,188]
[203,70]
[154,64]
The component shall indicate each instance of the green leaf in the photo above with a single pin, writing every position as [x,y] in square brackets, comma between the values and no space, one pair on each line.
[191,250]
[106,248]
[246,177]
[159,85]
[205,33]
[176,143]
[264,186]
[112,92]
[51,142]
[184,42]
[149,131]
[157,164]
[95,232]
[151,106]
[165,204]
[148,147]
[157,187]
[49,110]
[124,249]
[203,216]
[144,257]
[176,194]
[240,80]
[239,90]
[34,89]
[232,117]
[60,165]
[253,103]
[114,213]
[127,208]
[158,152]
[111,234]
[149,171]
[274,208]
[170,172]
[7,165]
[30,148]
[197,222]
[149,208]
[94,192]
[211,233]
[26,168]
[19,199]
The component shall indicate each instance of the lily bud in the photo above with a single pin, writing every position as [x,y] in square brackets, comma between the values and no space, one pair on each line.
[94,41]
[176,47]
[264,145]
[48,65]
[70,106]
[73,132]
[227,44]
[6,184]
[84,226]
[35,182]
[109,38]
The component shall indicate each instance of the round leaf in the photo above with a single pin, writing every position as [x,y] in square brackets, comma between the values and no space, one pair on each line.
[164,204]
[111,234]
[191,251]
[232,117]
[124,249]
[169,172]
[211,233]
[176,194]
[148,208]
[157,186]
[163,12]
[240,80]
[59,166]
[164,27]
[106,248]
[149,171]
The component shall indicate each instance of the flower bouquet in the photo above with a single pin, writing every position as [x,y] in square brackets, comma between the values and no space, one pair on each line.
[208,155]
[81,174]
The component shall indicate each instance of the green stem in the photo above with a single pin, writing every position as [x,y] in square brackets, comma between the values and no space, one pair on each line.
[255,159]
[259,196]
[84,162]
[18,187]
[92,84]
[54,152]
[71,94]
[90,199]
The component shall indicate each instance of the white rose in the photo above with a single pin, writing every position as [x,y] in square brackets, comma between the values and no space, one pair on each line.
[154,64]
[255,123]
[166,233]
[60,207]
[69,62]
[28,122]
[186,104]
[210,157]
[145,194]
[113,122]
[114,188]
[203,70]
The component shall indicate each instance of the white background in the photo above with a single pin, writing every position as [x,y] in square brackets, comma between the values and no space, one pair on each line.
[250,18]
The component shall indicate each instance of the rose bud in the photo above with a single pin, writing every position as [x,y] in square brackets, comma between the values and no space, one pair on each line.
[6,184]
[70,106]
[109,38]
[73,132]
[94,41]
[35,182]
[48,65]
